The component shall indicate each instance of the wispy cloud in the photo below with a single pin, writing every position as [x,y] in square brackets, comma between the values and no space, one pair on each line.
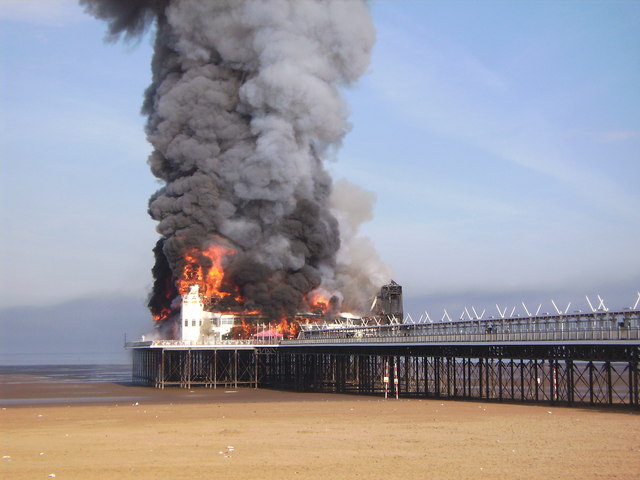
[445,90]
[619,135]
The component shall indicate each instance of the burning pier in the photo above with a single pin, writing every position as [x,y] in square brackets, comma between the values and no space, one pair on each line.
[232,349]
[256,240]
[568,359]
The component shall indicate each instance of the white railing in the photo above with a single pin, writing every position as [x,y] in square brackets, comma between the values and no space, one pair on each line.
[596,326]
[203,343]
[609,326]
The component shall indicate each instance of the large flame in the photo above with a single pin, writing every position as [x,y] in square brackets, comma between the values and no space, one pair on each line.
[320,301]
[162,314]
[205,267]
[288,329]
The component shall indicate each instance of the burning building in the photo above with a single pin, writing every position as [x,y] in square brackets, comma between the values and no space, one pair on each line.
[243,109]
[199,323]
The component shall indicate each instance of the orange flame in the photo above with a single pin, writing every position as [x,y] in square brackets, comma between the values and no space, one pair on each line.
[318,300]
[243,331]
[288,329]
[206,268]
[163,314]
[208,277]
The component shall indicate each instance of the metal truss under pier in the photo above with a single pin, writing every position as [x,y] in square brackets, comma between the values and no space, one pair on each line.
[573,375]
[568,374]
[228,366]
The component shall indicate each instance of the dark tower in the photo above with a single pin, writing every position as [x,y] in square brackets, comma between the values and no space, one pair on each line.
[389,302]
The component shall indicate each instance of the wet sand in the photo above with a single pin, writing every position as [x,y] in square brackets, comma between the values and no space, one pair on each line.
[110,431]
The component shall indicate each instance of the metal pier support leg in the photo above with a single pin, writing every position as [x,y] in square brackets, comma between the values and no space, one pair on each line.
[448,370]
[256,366]
[522,394]
[609,384]
[552,379]
[480,377]
[636,391]
[464,377]
[162,368]
[591,383]
[536,383]
[235,368]
[487,381]
[189,367]
[570,382]
[426,376]
[513,388]
[500,365]
[437,362]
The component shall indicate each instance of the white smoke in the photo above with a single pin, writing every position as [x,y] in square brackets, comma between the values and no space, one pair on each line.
[359,272]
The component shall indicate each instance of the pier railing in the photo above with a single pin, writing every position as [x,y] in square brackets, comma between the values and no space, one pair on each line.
[591,327]
[582,327]
[204,343]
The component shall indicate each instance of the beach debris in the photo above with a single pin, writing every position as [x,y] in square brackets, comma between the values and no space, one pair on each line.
[52,475]
[41,453]
[227,453]
[135,404]
[6,458]
[39,416]
[549,411]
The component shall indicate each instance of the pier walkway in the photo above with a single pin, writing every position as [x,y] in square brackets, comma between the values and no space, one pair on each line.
[571,359]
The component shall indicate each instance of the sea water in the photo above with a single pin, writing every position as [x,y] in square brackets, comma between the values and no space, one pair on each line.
[67,373]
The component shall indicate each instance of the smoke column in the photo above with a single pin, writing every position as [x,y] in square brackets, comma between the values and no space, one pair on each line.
[243,108]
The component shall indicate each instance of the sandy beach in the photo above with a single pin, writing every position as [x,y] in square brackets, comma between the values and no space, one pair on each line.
[112,431]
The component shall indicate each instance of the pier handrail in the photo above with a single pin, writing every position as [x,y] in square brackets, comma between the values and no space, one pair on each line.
[595,326]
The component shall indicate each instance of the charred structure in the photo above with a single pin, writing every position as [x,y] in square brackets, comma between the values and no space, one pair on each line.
[201,321]
[388,303]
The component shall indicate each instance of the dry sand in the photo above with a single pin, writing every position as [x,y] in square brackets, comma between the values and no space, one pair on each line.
[108,431]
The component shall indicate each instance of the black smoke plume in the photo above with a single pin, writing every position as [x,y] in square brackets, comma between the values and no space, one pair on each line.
[243,108]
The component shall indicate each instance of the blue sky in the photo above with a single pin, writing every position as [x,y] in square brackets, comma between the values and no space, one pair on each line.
[502,140]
